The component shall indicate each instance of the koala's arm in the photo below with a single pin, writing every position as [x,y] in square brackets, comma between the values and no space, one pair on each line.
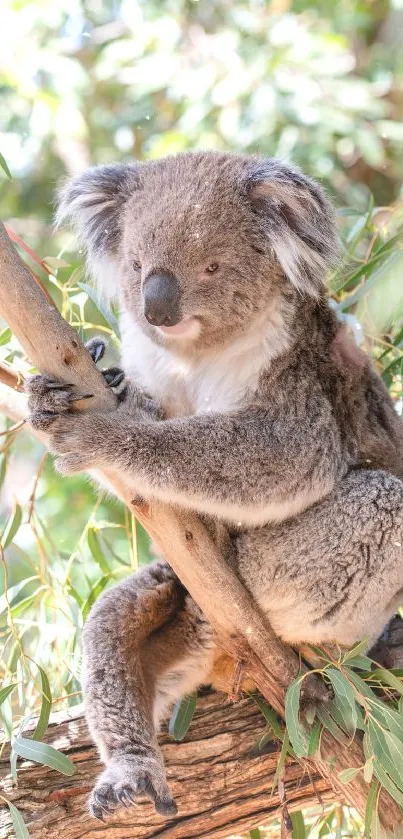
[249,466]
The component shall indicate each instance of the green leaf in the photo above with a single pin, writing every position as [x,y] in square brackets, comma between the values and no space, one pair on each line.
[360,662]
[5,337]
[255,833]
[12,593]
[95,547]
[298,825]
[5,692]
[53,263]
[4,167]
[295,730]
[387,717]
[329,723]
[44,754]
[21,830]
[388,678]
[344,699]
[12,526]
[94,594]
[182,716]
[281,761]
[388,750]
[46,706]
[356,650]
[269,715]
[370,808]
[368,770]
[386,781]
[314,740]
[105,310]
[347,775]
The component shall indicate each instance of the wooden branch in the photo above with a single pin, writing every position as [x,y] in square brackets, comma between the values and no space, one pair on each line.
[220,782]
[242,631]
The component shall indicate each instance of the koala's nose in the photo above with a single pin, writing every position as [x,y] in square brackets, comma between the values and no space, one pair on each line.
[161,300]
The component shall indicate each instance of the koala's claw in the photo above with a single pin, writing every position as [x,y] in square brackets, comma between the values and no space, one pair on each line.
[127,782]
[113,376]
[96,348]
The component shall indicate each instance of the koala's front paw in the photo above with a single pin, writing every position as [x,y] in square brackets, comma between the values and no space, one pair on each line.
[125,779]
[77,435]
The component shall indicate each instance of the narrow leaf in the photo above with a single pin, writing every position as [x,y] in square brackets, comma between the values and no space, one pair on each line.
[295,730]
[347,775]
[5,337]
[12,526]
[4,167]
[388,678]
[21,830]
[370,808]
[269,715]
[105,310]
[344,698]
[46,706]
[44,754]
[5,692]
[314,740]
[95,547]
[182,716]
[255,833]
[298,825]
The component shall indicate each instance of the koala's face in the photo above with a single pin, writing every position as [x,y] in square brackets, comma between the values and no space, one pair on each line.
[203,243]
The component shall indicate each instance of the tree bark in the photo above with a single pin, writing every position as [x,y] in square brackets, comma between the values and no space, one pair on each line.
[241,629]
[221,783]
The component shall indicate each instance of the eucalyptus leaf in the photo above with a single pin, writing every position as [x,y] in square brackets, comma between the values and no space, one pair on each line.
[182,716]
[5,692]
[295,730]
[44,754]
[344,699]
[97,552]
[298,825]
[388,751]
[21,830]
[370,808]
[46,706]
[12,526]
[4,167]
[347,775]
[102,306]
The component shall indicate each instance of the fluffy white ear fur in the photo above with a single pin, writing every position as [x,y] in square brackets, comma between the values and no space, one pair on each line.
[93,203]
[299,221]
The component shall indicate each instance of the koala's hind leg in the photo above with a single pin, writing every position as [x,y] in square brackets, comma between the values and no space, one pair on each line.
[146,644]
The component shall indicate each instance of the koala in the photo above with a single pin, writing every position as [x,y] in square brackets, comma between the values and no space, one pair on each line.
[244,400]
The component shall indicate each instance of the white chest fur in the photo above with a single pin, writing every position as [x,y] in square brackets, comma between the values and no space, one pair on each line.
[217,382]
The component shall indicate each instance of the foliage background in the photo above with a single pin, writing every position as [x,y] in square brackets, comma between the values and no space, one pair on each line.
[91,81]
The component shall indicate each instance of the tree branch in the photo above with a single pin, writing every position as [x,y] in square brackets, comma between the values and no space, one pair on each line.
[222,784]
[242,630]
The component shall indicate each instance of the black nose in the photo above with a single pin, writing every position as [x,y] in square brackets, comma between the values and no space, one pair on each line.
[161,300]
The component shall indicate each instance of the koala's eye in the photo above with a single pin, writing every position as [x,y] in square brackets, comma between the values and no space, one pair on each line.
[136,265]
[212,268]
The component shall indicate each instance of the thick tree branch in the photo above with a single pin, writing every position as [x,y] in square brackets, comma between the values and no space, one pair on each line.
[56,350]
[220,781]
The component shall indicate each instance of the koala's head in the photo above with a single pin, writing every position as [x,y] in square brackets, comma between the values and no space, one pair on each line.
[198,247]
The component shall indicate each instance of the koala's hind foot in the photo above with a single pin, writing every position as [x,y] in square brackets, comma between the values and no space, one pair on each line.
[125,779]
[146,644]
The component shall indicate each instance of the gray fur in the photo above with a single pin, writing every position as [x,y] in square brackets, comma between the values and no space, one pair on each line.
[262,416]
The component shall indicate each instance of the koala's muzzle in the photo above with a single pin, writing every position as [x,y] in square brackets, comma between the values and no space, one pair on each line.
[161,297]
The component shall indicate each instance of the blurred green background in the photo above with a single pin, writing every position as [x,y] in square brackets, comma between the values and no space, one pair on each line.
[91,81]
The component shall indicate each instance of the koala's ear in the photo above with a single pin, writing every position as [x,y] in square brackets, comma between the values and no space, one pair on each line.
[299,221]
[93,203]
